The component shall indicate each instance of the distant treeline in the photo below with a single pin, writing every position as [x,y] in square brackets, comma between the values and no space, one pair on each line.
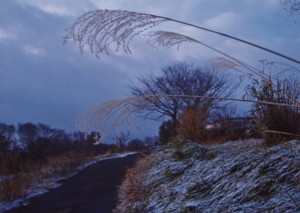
[29,142]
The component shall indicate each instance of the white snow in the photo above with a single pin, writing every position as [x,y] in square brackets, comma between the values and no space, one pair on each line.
[237,176]
[36,190]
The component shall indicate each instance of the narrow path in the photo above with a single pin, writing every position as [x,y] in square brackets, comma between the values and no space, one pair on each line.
[94,189]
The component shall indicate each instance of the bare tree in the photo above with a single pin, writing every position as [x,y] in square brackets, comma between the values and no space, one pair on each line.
[121,139]
[28,133]
[181,79]
[45,131]
[7,131]
[292,7]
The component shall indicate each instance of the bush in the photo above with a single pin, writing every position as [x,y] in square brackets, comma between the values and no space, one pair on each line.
[276,123]
[192,124]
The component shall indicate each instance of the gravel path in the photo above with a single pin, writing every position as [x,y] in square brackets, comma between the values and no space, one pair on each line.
[94,189]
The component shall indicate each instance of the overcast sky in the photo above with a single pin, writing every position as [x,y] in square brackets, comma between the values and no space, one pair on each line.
[42,80]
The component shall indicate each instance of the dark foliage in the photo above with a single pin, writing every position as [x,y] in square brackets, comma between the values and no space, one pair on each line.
[167,131]
[39,142]
[136,145]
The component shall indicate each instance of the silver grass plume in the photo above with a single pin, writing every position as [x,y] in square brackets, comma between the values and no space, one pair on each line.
[168,39]
[102,28]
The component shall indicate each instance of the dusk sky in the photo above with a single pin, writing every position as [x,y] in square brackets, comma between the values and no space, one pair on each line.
[42,80]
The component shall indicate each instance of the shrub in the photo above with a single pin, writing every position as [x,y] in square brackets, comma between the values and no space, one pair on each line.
[192,124]
[276,123]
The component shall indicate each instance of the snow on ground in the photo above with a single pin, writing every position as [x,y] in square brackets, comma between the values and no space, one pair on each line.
[39,187]
[240,176]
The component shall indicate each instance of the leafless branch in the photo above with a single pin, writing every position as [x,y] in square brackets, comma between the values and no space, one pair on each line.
[292,7]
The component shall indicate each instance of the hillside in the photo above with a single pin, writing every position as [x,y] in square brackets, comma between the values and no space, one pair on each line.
[241,176]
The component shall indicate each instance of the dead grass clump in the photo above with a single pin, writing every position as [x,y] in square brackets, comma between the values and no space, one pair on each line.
[192,124]
[62,164]
[14,186]
[276,124]
[108,154]
[132,195]
[19,185]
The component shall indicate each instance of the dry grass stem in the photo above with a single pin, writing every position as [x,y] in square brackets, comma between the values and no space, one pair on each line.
[100,29]
[115,113]
[132,188]
[280,133]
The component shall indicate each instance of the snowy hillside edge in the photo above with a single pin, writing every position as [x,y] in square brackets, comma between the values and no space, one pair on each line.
[241,176]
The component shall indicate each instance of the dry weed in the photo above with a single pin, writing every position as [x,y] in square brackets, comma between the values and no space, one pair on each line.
[14,186]
[132,189]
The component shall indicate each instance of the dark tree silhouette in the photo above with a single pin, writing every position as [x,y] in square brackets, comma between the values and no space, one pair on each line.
[181,79]
[28,133]
[45,132]
[136,145]
[166,131]
[7,131]
[292,7]
[121,139]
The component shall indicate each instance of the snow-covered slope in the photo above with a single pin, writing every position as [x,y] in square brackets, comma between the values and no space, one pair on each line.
[234,177]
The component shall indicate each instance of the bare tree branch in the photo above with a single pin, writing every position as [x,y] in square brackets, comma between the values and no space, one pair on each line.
[292,7]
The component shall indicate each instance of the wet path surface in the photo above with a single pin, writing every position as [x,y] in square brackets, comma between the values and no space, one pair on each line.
[94,189]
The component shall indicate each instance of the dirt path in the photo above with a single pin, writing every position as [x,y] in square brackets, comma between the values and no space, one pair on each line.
[94,189]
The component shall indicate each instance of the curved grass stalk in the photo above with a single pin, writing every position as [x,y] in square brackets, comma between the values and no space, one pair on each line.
[101,28]
[111,114]
[169,39]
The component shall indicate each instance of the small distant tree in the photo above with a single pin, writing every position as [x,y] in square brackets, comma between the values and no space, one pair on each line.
[136,145]
[8,131]
[79,136]
[28,133]
[4,145]
[121,139]
[45,132]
